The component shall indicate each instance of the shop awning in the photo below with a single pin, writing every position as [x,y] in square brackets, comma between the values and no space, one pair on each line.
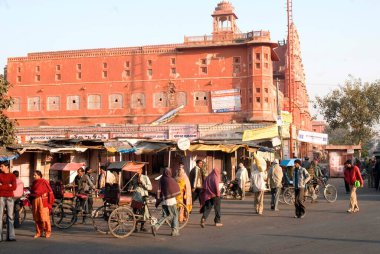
[119,146]
[131,166]
[7,155]
[168,116]
[72,166]
[146,147]
[68,149]
[227,148]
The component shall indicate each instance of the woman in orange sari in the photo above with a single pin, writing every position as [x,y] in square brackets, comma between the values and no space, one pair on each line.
[185,188]
[40,205]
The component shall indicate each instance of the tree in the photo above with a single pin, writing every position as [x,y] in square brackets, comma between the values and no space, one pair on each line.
[7,126]
[355,107]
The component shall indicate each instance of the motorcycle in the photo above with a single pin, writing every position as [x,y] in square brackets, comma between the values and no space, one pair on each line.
[229,189]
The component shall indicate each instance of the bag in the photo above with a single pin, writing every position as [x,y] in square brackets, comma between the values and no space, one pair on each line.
[260,162]
[137,205]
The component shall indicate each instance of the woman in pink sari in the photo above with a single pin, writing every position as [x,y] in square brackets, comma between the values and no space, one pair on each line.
[210,198]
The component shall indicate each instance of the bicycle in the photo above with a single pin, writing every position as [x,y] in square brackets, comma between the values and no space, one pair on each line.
[122,221]
[65,214]
[320,185]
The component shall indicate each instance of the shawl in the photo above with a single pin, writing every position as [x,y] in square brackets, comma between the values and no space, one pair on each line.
[40,187]
[168,186]
[210,187]
[183,177]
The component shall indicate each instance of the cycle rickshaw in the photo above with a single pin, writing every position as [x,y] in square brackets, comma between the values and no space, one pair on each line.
[116,216]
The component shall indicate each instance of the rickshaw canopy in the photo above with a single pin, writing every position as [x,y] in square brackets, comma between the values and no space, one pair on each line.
[131,166]
[288,162]
[72,166]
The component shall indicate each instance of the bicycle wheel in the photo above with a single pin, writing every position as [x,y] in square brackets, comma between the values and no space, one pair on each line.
[183,215]
[22,214]
[64,216]
[100,218]
[330,193]
[289,196]
[121,222]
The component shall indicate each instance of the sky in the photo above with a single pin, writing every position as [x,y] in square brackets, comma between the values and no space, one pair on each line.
[338,37]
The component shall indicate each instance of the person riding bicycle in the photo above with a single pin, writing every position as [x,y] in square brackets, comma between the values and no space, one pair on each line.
[85,187]
[315,173]
[141,186]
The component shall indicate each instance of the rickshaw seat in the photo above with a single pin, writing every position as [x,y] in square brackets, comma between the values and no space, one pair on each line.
[125,200]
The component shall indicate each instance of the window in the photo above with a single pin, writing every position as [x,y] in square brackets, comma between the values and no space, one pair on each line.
[94,101]
[172,60]
[37,78]
[104,74]
[266,90]
[16,106]
[72,102]
[18,69]
[58,67]
[173,71]
[18,79]
[79,67]
[138,100]
[266,56]
[104,65]
[37,68]
[258,90]
[79,75]
[237,60]
[266,99]
[33,103]
[266,65]
[204,61]
[257,65]
[126,64]
[258,99]
[258,56]
[57,77]
[150,72]
[181,98]
[160,100]
[201,99]
[53,103]
[149,63]
[236,69]
[203,70]
[127,73]
[115,101]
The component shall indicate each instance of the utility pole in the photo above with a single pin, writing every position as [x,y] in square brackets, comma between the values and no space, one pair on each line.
[278,118]
[290,62]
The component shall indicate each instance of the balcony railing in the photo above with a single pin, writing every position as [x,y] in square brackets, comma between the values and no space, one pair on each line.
[258,36]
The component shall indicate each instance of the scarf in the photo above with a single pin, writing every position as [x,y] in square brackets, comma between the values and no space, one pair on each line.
[210,187]
[183,177]
[168,186]
[40,187]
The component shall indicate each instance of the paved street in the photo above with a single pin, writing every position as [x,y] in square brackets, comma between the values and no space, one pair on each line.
[327,228]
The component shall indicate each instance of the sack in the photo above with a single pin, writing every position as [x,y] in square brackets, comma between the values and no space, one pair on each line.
[260,162]
[137,205]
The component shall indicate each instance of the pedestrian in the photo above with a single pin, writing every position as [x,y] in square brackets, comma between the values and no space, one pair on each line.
[242,179]
[90,200]
[306,163]
[8,185]
[376,173]
[275,176]
[300,178]
[85,187]
[185,189]
[346,184]
[17,194]
[168,190]
[141,187]
[313,171]
[196,177]
[351,177]
[258,187]
[369,168]
[210,198]
[42,199]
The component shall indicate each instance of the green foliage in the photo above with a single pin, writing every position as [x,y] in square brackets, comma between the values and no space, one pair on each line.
[7,133]
[354,107]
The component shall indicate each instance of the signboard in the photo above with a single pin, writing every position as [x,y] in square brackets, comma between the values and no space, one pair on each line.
[30,138]
[187,131]
[336,164]
[183,143]
[226,100]
[350,151]
[154,135]
[313,137]
[90,136]
[217,135]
